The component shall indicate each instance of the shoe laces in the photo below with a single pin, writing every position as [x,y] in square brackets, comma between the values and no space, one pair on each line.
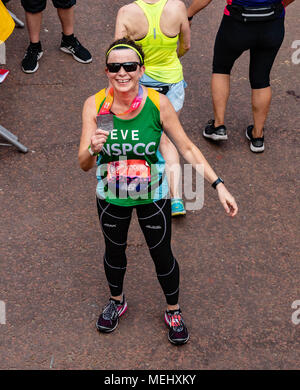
[176,321]
[110,311]
[73,42]
[32,50]
[177,204]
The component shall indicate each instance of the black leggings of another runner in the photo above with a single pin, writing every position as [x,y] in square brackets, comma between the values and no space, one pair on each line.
[155,222]
[262,38]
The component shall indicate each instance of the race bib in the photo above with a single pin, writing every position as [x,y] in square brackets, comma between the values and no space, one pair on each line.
[130,175]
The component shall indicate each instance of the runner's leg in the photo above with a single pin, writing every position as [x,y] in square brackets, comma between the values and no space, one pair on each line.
[33,23]
[155,221]
[220,89]
[262,57]
[261,100]
[231,41]
[114,221]
[66,17]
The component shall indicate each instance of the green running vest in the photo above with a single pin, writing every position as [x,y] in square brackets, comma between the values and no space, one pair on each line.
[131,170]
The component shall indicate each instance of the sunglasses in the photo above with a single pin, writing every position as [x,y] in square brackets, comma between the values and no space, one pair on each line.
[114,67]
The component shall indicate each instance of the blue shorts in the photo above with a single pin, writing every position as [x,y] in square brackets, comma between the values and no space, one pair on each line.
[175,94]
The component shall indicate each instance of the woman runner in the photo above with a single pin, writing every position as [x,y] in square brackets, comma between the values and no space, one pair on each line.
[162,29]
[131,175]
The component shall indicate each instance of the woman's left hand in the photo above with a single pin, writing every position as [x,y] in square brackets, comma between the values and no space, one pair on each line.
[227,200]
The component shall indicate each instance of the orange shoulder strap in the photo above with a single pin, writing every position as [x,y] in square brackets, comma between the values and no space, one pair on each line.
[99,97]
[154,97]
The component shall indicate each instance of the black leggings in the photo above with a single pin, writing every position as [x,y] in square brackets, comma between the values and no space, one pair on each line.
[155,222]
[262,38]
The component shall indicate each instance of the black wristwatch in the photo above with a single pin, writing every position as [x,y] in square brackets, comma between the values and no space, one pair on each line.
[215,183]
[190,18]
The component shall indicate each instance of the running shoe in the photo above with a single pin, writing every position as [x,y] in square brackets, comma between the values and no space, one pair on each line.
[109,318]
[71,45]
[215,133]
[256,144]
[178,333]
[33,54]
[177,207]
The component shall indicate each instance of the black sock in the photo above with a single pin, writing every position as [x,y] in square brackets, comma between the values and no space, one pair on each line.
[68,37]
[218,127]
[173,311]
[36,44]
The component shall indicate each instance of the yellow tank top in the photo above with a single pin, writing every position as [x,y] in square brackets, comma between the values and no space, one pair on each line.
[161,60]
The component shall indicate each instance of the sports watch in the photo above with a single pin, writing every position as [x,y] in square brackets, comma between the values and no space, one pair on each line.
[215,183]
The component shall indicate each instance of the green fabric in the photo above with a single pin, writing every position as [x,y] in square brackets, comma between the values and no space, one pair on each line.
[134,139]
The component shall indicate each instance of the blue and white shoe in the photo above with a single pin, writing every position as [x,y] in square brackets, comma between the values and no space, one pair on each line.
[177,207]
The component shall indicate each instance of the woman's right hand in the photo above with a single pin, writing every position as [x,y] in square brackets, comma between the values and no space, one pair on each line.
[227,200]
[98,140]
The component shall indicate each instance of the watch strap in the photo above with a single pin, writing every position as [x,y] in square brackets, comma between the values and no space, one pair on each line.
[215,183]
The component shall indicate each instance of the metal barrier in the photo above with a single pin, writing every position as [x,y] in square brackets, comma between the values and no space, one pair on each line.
[12,139]
[4,133]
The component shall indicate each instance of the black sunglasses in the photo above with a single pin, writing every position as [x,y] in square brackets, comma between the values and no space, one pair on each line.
[114,67]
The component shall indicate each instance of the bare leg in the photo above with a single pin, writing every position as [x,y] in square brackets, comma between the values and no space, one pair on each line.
[66,17]
[173,307]
[261,99]
[33,23]
[118,298]
[220,88]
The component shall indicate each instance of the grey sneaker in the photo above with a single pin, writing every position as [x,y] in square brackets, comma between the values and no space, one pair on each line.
[256,144]
[109,318]
[215,133]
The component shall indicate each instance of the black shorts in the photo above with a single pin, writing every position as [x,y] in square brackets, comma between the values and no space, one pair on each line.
[263,39]
[35,6]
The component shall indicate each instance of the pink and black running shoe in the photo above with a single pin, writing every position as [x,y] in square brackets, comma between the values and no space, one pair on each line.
[178,333]
[109,318]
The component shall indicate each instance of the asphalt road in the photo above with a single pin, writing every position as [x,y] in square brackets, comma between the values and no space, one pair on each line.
[239,277]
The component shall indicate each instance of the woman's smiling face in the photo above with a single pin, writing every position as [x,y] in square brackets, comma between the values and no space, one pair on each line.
[123,81]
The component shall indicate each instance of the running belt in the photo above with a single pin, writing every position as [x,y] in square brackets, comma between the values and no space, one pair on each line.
[257,9]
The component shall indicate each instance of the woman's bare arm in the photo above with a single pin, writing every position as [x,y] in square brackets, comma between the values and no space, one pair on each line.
[185,31]
[192,154]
